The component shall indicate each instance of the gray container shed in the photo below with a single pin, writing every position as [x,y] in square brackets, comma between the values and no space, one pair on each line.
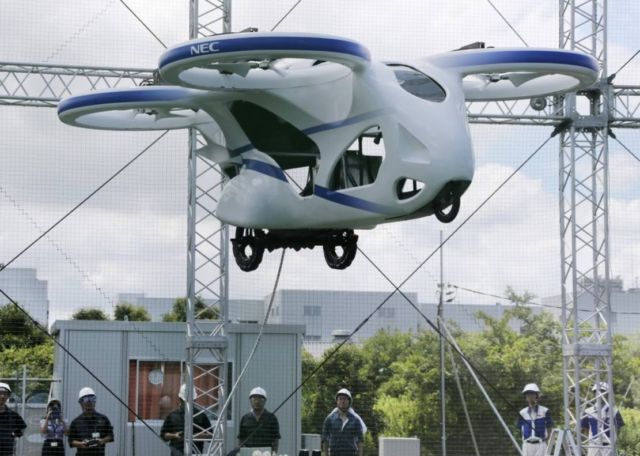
[119,352]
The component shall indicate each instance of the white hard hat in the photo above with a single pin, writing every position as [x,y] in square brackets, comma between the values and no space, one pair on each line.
[600,386]
[182,394]
[4,386]
[257,391]
[531,388]
[344,392]
[86,391]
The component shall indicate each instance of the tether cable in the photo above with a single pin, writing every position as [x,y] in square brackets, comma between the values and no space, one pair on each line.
[84,200]
[76,266]
[507,22]
[463,223]
[627,149]
[143,24]
[285,15]
[84,27]
[53,226]
[435,328]
[612,76]
[222,412]
[72,356]
[368,317]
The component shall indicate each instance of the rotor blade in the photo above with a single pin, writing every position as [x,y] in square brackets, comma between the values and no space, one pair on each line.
[239,68]
[521,78]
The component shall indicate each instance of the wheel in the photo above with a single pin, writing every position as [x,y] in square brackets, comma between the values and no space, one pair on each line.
[339,253]
[447,217]
[247,248]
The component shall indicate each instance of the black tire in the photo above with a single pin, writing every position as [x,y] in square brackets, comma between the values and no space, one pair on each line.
[247,248]
[340,254]
[448,217]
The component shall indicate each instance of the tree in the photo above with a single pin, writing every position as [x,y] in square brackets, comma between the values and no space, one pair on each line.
[395,380]
[18,329]
[128,312]
[89,314]
[379,352]
[179,311]
[339,370]
[509,359]
[626,368]
[23,342]
[629,437]
[38,360]
[359,368]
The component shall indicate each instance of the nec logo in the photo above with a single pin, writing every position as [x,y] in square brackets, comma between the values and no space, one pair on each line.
[204,48]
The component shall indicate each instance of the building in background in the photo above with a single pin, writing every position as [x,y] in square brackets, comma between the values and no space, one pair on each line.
[240,310]
[143,369]
[31,293]
[625,307]
[324,312]
[330,314]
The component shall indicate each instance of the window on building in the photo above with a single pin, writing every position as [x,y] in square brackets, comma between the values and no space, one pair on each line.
[154,387]
[311,311]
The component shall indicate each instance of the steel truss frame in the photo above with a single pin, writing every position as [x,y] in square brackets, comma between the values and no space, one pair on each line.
[584,231]
[583,208]
[207,267]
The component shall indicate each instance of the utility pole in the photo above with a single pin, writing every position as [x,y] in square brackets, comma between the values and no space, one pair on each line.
[443,408]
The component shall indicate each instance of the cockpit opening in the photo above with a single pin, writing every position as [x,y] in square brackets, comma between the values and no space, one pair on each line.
[271,134]
[360,163]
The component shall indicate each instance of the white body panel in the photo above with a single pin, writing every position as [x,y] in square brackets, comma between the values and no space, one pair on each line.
[267,102]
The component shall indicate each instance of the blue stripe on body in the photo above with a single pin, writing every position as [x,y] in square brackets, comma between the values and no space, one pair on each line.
[322,192]
[265,168]
[122,96]
[343,123]
[351,201]
[241,149]
[521,56]
[264,43]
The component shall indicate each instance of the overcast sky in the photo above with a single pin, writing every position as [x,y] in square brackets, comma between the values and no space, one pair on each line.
[131,237]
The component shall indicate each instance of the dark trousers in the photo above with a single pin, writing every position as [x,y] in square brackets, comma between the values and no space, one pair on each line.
[56,450]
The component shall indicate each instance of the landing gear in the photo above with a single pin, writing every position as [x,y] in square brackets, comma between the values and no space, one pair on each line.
[340,253]
[248,248]
[339,246]
[447,216]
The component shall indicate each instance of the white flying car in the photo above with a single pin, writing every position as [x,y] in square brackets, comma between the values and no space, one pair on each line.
[318,139]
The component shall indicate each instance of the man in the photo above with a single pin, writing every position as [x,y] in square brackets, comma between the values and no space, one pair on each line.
[90,431]
[535,423]
[259,428]
[11,424]
[173,427]
[343,429]
[596,425]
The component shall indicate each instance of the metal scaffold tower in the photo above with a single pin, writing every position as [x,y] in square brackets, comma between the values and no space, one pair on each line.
[207,268]
[584,230]
[585,121]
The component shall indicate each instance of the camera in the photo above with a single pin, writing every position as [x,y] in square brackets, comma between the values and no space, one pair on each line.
[55,413]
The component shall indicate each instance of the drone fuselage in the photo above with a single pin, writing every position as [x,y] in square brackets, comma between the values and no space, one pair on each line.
[316,139]
[425,142]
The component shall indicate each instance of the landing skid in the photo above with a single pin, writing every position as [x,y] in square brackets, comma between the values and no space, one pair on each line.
[339,246]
